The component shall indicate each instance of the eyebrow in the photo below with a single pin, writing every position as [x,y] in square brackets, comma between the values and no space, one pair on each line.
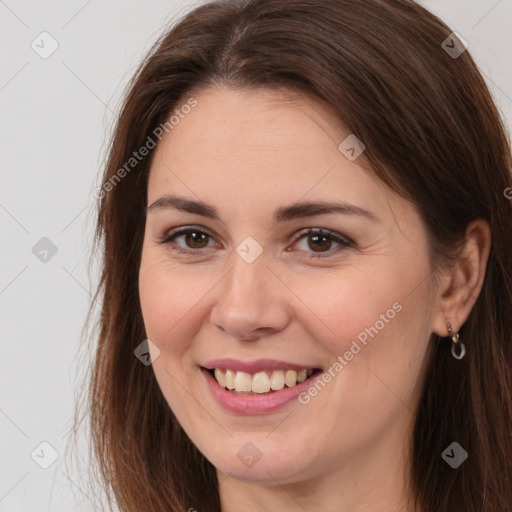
[282,214]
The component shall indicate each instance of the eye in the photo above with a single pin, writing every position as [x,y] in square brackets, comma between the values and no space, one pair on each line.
[321,241]
[194,239]
[315,241]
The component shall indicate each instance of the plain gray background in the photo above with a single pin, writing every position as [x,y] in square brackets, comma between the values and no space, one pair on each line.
[56,115]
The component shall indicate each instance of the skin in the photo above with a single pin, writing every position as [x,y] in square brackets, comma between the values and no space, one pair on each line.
[346,449]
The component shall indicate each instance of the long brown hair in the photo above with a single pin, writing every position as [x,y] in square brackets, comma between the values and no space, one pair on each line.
[431,132]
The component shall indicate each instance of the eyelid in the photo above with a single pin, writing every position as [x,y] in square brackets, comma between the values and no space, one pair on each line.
[183,230]
[323,231]
[343,242]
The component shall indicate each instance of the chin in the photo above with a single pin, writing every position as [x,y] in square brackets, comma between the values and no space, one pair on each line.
[256,459]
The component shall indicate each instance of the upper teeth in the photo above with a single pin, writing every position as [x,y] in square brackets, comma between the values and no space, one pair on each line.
[261,382]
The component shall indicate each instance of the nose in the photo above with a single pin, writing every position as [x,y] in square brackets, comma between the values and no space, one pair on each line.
[251,301]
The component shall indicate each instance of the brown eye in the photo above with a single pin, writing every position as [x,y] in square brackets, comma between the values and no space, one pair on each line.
[316,243]
[196,239]
[188,241]
[321,242]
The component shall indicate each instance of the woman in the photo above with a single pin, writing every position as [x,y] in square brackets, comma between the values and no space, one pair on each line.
[306,292]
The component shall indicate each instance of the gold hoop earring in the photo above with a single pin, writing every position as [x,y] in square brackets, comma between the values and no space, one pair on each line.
[458,348]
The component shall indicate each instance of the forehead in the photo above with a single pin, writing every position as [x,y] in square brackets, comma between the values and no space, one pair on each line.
[265,138]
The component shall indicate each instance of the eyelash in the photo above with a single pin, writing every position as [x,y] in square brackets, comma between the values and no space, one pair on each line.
[344,242]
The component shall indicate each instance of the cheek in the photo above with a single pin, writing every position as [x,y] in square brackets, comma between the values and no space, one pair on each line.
[173,302]
[376,321]
[347,306]
[381,327]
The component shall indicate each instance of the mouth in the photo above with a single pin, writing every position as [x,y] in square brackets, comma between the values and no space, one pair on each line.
[258,387]
[263,382]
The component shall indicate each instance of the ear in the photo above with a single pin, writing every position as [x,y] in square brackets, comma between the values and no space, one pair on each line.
[461,284]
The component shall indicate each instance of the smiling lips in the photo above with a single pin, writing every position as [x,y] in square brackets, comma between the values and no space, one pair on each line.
[258,387]
[257,377]
[260,382]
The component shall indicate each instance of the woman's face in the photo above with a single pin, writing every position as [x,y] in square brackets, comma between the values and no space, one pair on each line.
[253,290]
